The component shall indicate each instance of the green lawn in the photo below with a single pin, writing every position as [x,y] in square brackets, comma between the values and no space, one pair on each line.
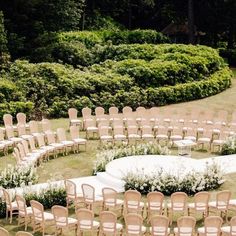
[76,165]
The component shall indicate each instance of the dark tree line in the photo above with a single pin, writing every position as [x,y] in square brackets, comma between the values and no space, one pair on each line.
[26,20]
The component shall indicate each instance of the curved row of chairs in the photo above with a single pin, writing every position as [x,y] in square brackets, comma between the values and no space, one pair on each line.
[155,201]
[84,220]
[48,144]
[149,125]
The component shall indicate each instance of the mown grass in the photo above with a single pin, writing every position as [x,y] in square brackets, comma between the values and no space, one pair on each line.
[76,165]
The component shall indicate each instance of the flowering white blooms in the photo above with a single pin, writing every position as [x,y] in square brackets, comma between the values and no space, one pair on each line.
[230,146]
[110,153]
[191,182]
[13,176]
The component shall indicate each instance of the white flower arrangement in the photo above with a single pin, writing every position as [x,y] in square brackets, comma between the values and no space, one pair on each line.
[13,176]
[191,183]
[110,153]
[230,146]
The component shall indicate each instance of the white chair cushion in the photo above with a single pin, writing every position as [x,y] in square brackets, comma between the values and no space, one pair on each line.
[159,230]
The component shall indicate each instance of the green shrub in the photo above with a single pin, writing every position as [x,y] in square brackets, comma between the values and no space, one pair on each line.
[16,107]
[48,197]
[218,82]
[230,146]
[2,208]
[134,36]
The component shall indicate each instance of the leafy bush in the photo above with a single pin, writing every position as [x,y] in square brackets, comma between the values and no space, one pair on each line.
[167,183]
[230,146]
[134,36]
[48,197]
[216,83]
[2,209]
[110,153]
[87,47]
[12,177]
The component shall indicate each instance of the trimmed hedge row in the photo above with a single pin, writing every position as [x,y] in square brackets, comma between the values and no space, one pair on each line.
[52,88]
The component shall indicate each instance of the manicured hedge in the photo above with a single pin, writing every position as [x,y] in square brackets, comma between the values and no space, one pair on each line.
[135,75]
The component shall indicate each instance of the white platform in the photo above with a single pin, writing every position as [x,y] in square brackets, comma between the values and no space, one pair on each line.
[118,168]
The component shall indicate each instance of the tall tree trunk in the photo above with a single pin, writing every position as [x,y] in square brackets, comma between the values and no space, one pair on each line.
[191,31]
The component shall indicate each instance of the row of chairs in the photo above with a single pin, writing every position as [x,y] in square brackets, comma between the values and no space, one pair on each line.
[48,144]
[155,201]
[144,127]
[202,135]
[154,113]
[108,220]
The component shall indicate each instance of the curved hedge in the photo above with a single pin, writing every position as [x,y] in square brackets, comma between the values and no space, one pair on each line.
[135,74]
[52,88]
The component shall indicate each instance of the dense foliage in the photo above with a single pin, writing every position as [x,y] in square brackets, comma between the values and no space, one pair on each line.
[229,147]
[49,197]
[88,47]
[129,74]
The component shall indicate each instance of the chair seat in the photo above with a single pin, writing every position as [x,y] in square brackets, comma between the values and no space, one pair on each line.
[215,131]
[86,224]
[134,136]
[198,207]
[221,205]
[26,136]
[193,138]
[232,202]
[109,226]
[201,230]
[155,206]
[161,136]
[133,229]
[80,140]
[2,146]
[40,151]
[75,121]
[71,222]
[218,142]
[176,137]
[119,137]
[147,136]
[94,129]
[226,229]
[204,140]
[14,205]
[134,204]
[184,230]
[29,212]
[57,145]
[112,203]
[47,148]
[67,143]
[106,137]
[16,139]
[48,216]
[176,207]
[7,142]
[159,230]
